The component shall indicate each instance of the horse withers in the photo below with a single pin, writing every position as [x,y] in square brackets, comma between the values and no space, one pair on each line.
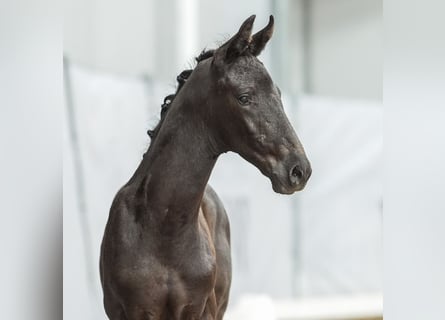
[166,248]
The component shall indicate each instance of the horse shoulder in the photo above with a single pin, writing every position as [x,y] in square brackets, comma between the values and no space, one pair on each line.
[218,221]
[120,251]
[215,213]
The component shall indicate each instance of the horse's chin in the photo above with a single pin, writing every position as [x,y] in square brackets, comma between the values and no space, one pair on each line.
[283,188]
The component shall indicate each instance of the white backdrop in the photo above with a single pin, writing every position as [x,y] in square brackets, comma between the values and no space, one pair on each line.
[340,211]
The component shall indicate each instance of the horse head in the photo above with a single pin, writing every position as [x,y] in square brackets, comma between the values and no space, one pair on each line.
[234,97]
[248,112]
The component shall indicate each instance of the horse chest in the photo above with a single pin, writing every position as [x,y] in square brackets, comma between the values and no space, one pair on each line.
[194,263]
[177,283]
[191,281]
[191,256]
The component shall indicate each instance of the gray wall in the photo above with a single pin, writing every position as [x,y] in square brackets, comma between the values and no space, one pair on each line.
[346,48]
[324,47]
[109,34]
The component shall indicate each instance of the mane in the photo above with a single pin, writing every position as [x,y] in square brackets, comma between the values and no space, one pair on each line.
[181,79]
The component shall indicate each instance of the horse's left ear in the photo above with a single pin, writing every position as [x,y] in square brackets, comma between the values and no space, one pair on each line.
[237,45]
[260,39]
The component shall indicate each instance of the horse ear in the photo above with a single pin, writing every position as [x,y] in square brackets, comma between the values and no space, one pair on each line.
[238,44]
[260,39]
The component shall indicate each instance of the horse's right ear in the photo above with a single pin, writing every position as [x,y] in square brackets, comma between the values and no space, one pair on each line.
[237,45]
[260,39]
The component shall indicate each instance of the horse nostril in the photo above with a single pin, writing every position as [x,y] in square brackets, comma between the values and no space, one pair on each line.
[296,174]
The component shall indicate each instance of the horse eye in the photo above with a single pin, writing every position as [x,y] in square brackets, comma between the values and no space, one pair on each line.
[244,99]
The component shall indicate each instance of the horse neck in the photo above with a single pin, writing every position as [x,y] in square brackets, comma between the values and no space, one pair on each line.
[174,173]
